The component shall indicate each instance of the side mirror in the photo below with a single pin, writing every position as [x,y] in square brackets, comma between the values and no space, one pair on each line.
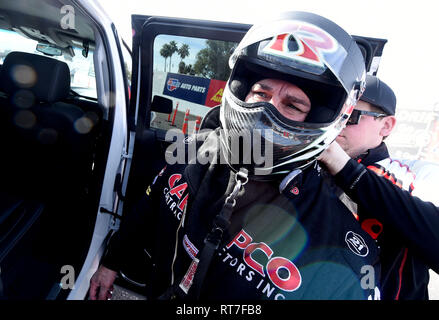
[161,104]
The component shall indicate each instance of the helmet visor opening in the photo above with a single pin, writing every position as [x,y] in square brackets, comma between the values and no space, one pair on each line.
[327,98]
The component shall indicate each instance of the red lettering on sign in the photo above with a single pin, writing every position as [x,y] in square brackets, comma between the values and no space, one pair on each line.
[215,93]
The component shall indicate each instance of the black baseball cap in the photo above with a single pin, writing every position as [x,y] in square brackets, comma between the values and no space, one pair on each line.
[380,95]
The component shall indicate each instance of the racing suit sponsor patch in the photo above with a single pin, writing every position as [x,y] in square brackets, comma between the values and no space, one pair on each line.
[356,244]
[174,195]
[190,248]
[188,278]
[277,272]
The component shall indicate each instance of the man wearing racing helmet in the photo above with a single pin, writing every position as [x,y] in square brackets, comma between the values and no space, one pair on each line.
[385,195]
[323,66]
[246,229]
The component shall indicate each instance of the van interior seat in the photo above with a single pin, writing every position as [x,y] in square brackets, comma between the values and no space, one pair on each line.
[47,142]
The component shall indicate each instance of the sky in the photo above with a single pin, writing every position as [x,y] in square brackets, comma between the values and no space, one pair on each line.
[410,62]
[195,45]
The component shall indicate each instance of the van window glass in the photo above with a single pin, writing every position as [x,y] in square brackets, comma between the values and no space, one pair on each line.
[82,74]
[192,72]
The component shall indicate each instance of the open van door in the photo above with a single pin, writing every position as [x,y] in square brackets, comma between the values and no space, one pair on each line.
[372,50]
[169,54]
[180,67]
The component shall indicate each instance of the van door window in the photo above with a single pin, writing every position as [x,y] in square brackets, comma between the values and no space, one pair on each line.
[192,72]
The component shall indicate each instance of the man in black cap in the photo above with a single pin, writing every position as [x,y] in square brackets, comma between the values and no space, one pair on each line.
[381,193]
[372,120]
[376,110]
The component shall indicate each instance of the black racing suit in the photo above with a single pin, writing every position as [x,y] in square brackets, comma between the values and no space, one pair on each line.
[406,229]
[301,243]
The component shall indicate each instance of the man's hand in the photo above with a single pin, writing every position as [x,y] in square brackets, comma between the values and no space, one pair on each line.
[101,284]
[334,158]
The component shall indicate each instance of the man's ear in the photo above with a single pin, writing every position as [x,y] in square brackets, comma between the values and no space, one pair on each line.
[389,123]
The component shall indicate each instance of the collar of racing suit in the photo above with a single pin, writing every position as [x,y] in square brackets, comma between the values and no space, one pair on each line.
[373,155]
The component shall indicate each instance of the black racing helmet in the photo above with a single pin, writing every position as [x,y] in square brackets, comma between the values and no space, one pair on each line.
[310,52]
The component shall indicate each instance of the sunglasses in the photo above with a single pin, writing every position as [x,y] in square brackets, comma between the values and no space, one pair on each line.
[356,115]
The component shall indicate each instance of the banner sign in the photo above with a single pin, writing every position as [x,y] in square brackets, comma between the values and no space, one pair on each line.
[194,89]
[215,93]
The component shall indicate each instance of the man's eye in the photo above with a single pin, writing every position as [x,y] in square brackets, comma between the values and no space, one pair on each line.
[261,94]
[292,106]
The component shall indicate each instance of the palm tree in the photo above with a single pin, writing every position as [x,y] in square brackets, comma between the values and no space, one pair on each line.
[183,52]
[172,49]
[165,53]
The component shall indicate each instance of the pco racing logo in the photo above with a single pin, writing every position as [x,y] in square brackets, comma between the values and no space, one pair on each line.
[281,272]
